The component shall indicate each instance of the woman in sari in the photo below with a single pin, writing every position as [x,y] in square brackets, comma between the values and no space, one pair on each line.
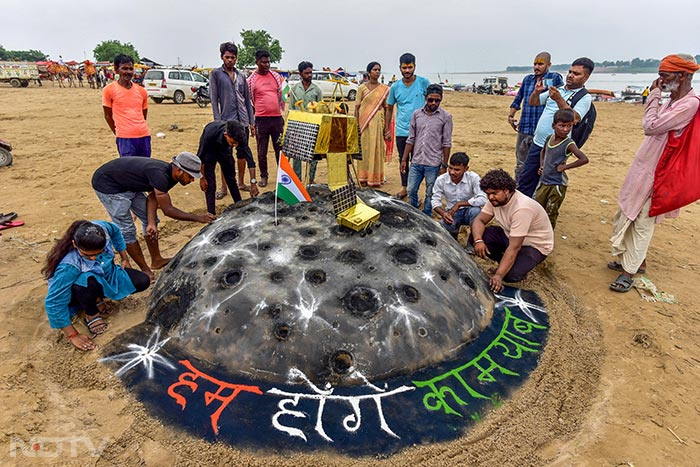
[369,110]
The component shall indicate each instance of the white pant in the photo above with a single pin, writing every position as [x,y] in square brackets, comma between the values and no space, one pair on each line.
[631,238]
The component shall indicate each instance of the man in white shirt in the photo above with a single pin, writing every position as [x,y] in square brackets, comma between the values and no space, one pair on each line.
[463,196]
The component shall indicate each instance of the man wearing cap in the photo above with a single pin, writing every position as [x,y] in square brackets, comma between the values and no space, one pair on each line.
[120,185]
[215,146]
[633,227]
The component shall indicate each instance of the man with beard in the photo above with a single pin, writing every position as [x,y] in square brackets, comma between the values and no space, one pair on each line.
[531,114]
[633,227]
[408,95]
[265,87]
[120,185]
[230,100]
[125,107]
[300,95]
[554,99]
[524,237]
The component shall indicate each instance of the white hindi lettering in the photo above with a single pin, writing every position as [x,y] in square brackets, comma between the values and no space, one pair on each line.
[351,423]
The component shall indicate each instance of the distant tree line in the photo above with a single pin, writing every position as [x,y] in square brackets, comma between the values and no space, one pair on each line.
[22,55]
[105,51]
[636,64]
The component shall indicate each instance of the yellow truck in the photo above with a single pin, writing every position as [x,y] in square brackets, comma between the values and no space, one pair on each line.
[18,73]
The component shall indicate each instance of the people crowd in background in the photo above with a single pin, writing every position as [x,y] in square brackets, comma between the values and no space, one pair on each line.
[554,113]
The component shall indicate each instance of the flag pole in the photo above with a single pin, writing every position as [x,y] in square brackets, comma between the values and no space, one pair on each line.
[277,185]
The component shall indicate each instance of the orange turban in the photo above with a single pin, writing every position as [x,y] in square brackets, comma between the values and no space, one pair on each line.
[674,63]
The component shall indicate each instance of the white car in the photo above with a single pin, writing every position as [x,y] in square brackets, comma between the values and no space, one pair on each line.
[171,83]
[331,84]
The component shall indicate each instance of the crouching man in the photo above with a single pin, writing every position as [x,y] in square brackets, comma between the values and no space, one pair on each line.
[524,238]
[463,196]
[120,185]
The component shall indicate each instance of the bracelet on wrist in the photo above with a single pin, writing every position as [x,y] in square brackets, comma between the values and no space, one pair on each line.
[478,241]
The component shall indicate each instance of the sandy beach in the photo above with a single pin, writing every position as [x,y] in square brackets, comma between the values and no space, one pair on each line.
[616,385]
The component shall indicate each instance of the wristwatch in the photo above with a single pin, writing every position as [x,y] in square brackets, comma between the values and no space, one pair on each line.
[443,165]
[253,181]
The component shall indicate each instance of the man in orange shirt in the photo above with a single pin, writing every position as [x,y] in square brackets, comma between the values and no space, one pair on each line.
[125,106]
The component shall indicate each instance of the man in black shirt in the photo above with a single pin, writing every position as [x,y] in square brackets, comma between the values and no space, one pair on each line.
[120,185]
[215,146]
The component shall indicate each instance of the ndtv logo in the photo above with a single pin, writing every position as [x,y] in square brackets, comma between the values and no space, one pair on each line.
[48,446]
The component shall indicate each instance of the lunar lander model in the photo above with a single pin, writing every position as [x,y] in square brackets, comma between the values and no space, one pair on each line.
[319,134]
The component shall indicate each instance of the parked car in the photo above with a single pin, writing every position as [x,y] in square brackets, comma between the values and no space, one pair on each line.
[171,83]
[329,83]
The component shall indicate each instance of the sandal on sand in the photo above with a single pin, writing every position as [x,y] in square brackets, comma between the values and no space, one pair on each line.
[220,194]
[615,266]
[622,284]
[96,325]
[244,187]
[105,308]
[400,196]
[7,217]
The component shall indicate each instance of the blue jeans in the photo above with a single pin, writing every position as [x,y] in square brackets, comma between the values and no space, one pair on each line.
[529,178]
[463,216]
[416,174]
[120,206]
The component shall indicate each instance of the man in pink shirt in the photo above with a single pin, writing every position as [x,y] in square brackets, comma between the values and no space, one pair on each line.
[522,240]
[633,227]
[265,88]
[125,107]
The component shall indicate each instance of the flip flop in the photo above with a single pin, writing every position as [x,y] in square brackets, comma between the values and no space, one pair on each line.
[7,217]
[96,325]
[105,308]
[615,266]
[244,187]
[9,225]
[220,194]
[622,284]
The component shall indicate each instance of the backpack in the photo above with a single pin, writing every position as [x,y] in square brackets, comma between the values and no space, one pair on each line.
[583,129]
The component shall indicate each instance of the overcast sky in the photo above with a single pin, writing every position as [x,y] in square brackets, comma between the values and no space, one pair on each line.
[445,35]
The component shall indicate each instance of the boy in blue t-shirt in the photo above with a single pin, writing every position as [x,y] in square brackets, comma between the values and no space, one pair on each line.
[557,148]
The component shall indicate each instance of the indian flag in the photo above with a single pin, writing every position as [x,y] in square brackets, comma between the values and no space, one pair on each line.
[285,91]
[289,187]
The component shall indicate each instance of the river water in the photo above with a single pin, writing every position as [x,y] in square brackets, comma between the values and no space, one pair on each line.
[615,82]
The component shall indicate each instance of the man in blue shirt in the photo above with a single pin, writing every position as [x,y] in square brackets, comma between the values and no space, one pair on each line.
[408,95]
[554,99]
[531,114]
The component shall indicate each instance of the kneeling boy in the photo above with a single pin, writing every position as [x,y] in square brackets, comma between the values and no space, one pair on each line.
[463,196]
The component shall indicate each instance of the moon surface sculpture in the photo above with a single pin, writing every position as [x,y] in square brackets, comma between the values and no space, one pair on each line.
[305,334]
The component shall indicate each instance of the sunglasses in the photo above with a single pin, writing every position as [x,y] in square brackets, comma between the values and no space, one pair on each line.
[432,99]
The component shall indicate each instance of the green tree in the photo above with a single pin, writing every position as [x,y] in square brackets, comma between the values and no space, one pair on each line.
[255,40]
[105,51]
[22,55]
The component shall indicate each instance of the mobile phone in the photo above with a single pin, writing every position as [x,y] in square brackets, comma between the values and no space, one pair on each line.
[547,82]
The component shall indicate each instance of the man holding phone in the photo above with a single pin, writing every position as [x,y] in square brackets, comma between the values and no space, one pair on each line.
[531,114]
[553,99]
